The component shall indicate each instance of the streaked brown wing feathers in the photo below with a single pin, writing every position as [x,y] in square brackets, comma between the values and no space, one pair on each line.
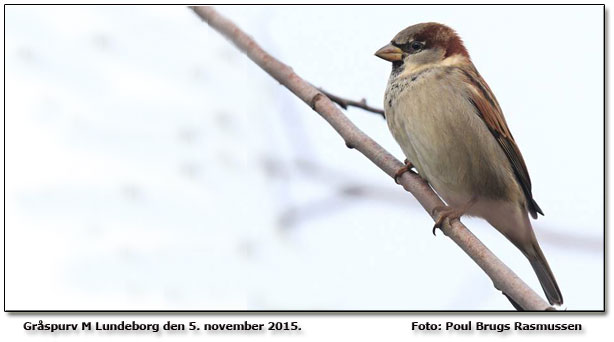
[489,110]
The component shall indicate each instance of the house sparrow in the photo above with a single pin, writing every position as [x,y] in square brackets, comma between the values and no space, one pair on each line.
[452,130]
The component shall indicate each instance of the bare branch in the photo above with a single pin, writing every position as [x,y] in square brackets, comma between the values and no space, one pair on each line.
[503,278]
[345,103]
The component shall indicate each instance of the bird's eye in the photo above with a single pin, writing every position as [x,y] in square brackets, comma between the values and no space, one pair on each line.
[416,46]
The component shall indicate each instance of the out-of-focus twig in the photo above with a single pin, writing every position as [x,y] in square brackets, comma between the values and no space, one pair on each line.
[345,103]
[503,278]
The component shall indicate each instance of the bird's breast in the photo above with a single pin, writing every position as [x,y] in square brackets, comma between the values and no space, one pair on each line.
[442,134]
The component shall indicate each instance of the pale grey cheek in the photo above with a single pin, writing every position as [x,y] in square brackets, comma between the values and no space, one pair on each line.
[426,56]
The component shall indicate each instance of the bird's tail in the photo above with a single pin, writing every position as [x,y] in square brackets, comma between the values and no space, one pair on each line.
[513,222]
[544,274]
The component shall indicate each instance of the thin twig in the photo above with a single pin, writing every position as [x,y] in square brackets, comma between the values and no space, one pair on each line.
[503,278]
[345,103]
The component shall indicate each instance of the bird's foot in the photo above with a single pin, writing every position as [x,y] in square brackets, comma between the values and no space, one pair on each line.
[444,212]
[407,168]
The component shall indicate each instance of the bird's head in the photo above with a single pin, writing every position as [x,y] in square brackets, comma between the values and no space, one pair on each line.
[422,45]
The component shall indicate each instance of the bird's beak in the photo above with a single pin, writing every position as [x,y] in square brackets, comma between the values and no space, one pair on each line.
[390,53]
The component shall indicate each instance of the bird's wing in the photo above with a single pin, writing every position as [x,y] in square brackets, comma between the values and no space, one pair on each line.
[490,112]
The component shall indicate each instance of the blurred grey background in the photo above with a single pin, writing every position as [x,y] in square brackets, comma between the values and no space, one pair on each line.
[150,165]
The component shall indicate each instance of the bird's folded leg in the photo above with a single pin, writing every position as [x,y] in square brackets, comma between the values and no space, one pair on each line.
[444,212]
[407,168]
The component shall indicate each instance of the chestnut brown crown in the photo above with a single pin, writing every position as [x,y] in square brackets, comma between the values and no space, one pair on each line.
[433,35]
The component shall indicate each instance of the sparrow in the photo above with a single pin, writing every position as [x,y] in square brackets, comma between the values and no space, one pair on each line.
[450,127]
